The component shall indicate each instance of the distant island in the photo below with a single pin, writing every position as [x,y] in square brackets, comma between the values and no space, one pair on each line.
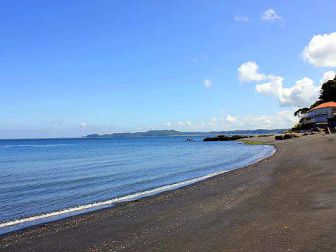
[157,133]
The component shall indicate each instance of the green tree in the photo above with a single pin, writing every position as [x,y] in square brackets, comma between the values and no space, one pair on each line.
[301,111]
[328,91]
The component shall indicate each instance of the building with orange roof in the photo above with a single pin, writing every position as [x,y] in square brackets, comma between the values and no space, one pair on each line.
[322,115]
[324,105]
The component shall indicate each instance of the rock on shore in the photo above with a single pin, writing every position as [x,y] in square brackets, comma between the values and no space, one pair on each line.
[224,138]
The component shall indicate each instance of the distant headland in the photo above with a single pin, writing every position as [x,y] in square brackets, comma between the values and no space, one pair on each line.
[158,133]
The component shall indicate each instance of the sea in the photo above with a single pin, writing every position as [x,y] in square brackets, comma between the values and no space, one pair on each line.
[43,180]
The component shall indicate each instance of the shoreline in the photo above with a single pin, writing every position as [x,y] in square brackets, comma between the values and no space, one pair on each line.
[286,201]
[45,218]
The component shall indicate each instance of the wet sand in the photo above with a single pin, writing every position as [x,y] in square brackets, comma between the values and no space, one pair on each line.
[284,203]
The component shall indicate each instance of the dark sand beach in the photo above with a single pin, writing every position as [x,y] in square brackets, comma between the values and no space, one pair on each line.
[284,203]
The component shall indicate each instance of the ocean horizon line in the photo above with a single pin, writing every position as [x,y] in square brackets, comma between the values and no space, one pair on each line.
[181,133]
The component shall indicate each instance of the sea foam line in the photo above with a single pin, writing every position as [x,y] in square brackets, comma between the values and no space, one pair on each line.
[109,202]
[37,219]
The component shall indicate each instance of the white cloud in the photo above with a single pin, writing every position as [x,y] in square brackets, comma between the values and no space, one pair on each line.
[303,93]
[231,118]
[242,19]
[248,72]
[321,50]
[207,83]
[83,125]
[281,119]
[184,123]
[270,15]
[273,87]
[330,75]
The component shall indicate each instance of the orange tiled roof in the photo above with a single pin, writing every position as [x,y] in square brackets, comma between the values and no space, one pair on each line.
[325,105]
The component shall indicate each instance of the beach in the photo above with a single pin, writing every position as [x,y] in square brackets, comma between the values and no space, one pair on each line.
[286,202]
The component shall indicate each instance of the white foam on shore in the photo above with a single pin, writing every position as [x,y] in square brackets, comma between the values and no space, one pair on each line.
[13,225]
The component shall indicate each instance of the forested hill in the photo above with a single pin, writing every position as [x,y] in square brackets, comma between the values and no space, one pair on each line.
[156,133]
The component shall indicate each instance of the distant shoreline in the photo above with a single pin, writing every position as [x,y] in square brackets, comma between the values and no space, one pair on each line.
[287,201]
[160,133]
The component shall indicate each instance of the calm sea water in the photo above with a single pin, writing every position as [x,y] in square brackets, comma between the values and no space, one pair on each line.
[42,180]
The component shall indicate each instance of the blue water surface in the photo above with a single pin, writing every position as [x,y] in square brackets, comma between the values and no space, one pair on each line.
[42,176]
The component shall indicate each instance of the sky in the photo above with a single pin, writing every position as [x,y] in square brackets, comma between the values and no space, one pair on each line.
[70,68]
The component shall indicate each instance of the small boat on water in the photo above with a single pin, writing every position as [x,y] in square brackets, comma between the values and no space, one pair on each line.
[189,140]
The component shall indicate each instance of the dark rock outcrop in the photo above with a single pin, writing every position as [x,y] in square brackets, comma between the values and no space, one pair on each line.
[224,138]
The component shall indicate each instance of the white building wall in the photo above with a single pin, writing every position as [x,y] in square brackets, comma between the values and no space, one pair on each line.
[321,115]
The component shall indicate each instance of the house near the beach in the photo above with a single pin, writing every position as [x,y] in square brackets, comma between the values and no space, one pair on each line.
[323,115]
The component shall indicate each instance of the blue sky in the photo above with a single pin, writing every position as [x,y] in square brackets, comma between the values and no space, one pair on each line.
[69,68]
